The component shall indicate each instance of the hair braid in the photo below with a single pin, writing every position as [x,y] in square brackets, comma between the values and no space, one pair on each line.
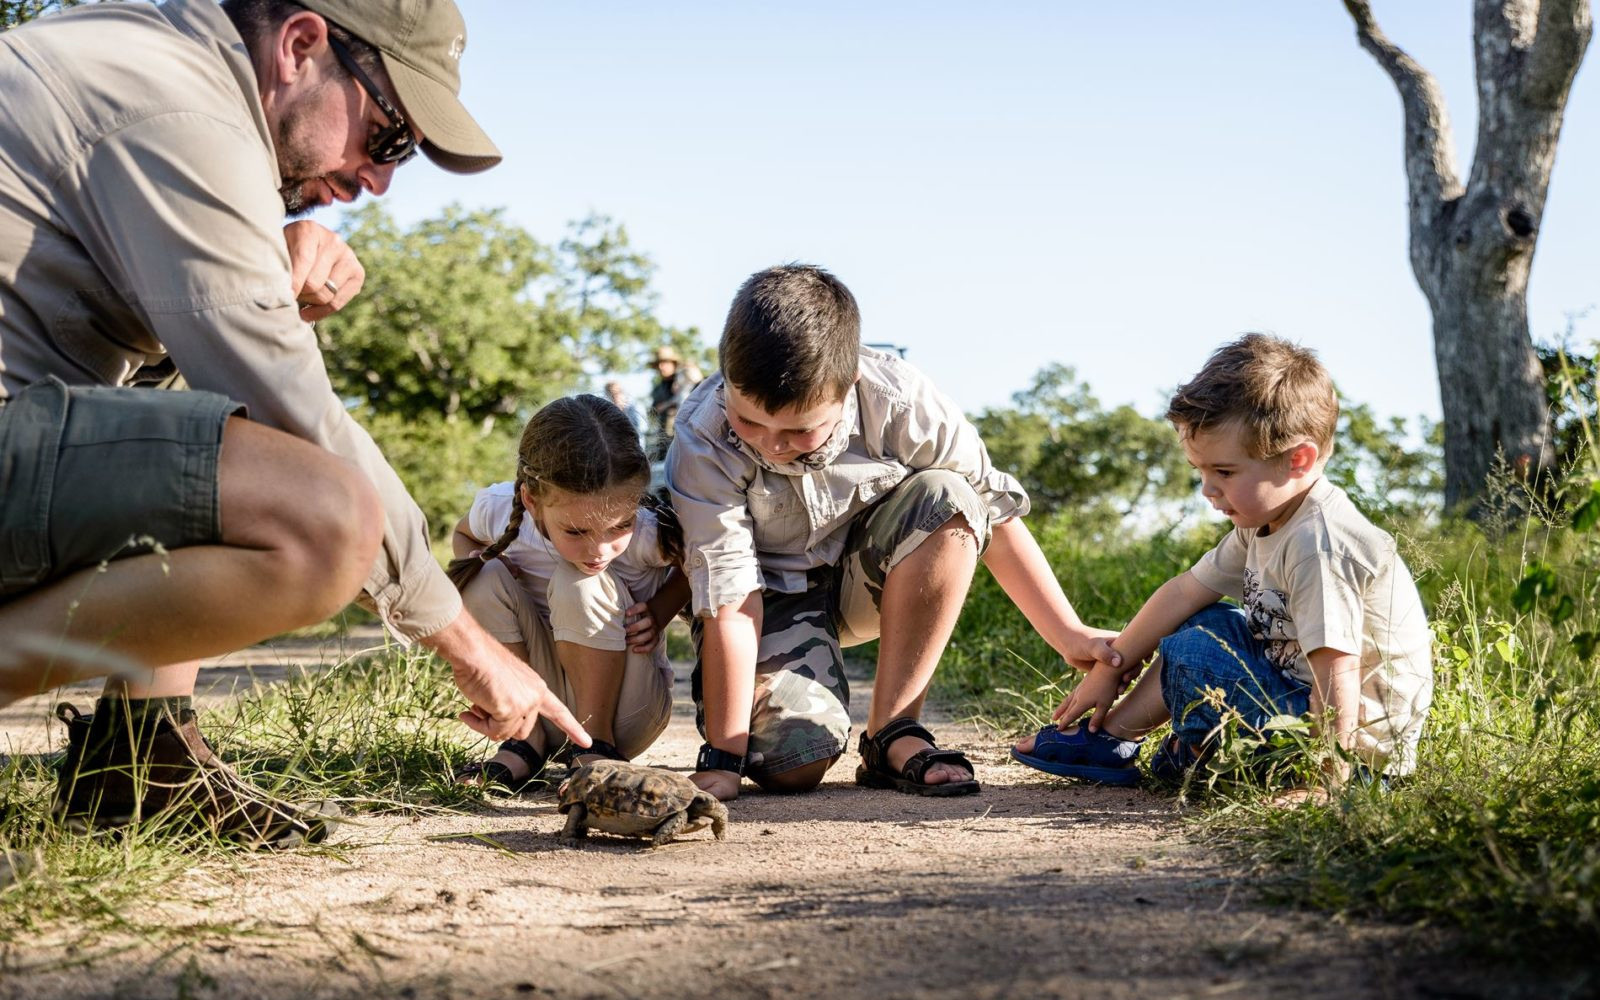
[464,570]
[669,530]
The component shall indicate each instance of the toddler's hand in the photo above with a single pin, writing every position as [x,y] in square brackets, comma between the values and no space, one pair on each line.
[1094,693]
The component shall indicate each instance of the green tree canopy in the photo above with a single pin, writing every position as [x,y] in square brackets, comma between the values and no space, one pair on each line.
[15,12]
[467,324]
[1072,454]
[1103,465]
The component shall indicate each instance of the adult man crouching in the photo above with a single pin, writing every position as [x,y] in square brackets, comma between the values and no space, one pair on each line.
[147,157]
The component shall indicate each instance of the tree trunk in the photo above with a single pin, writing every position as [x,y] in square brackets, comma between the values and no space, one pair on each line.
[1472,244]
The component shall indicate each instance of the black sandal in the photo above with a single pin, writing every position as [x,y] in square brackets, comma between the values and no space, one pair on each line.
[492,774]
[567,754]
[875,772]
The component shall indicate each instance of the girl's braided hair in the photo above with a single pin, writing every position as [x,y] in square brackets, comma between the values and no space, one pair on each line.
[581,445]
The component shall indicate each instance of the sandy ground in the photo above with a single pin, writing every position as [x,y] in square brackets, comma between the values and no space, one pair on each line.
[1034,888]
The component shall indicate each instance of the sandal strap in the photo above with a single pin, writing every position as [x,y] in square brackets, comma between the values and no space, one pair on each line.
[875,749]
[601,747]
[522,748]
[918,763]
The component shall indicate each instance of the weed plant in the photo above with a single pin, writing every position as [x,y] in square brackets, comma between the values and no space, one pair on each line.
[377,733]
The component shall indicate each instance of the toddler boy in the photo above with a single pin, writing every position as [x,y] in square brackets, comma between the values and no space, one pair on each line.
[1331,622]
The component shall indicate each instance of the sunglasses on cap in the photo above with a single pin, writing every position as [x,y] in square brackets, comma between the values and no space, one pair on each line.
[394,143]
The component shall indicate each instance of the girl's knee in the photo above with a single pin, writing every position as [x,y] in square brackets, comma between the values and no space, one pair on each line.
[492,588]
[638,730]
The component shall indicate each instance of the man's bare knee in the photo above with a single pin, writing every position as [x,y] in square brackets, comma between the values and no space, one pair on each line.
[800,779]
[315,513]
[345,532]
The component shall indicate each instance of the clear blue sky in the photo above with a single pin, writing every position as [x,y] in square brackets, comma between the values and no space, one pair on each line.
[1118,187]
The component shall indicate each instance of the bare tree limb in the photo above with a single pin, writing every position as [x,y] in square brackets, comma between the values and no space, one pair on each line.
[1527,55]
[1431,170]
[1562,36]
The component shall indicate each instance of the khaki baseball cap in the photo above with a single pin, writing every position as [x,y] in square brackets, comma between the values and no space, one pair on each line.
[421,42]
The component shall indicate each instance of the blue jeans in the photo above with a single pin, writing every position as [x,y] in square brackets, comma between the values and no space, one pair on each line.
[1202,654]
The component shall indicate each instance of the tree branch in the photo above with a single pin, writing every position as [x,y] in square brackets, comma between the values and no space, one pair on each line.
[1526,54]
[1429,149]
[1565,27]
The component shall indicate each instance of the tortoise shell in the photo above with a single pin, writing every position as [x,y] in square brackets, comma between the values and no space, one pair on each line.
[634,800]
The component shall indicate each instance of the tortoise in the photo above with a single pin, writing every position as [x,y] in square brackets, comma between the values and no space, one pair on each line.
[633,800]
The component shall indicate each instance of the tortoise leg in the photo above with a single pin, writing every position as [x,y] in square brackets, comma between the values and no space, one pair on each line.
[706,804]
[575,830]
[669,827]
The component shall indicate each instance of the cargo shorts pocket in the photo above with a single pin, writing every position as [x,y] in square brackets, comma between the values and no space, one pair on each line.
[31,425]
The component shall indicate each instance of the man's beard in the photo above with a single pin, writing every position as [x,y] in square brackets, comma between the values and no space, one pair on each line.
[298,168]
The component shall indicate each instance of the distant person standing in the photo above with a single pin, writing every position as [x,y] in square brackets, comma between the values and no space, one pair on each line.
[666,396]
[630,409]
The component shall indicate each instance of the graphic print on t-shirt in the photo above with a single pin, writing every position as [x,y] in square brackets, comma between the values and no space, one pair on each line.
[1267,611]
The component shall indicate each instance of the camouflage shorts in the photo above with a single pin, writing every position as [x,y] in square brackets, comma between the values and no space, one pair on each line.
[801,711]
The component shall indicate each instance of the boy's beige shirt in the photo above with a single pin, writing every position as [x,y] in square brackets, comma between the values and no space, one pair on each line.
[746,527]
[1331,578]
[141,229]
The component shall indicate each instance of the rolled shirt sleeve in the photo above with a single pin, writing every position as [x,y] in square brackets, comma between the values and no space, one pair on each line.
[707,484]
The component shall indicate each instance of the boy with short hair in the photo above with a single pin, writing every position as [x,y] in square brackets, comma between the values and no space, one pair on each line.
[1331,621]
[829,495]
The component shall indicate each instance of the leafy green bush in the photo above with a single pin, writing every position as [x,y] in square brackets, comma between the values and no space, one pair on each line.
[467,324]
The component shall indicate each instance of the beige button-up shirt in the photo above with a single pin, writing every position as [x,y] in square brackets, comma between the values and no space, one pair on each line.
[747,527]
[141,229]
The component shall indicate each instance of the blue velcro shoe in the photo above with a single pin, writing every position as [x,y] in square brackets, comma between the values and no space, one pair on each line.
[1098,757]
[1173,760]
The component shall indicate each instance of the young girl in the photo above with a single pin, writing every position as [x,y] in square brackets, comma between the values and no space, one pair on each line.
[552,565]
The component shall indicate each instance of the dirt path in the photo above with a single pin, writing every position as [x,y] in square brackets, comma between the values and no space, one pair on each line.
[1034,888]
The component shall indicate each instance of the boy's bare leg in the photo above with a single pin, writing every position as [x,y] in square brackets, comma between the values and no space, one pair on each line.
[922,598]
[1140,711]
[300,529]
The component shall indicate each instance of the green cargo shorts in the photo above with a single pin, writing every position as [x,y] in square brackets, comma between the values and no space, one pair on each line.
[89,474]
[801,712]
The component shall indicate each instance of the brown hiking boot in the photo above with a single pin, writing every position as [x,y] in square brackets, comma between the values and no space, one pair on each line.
[157,769]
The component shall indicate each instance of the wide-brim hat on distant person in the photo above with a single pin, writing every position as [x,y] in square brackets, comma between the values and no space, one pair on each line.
[667,354]
[421,42]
